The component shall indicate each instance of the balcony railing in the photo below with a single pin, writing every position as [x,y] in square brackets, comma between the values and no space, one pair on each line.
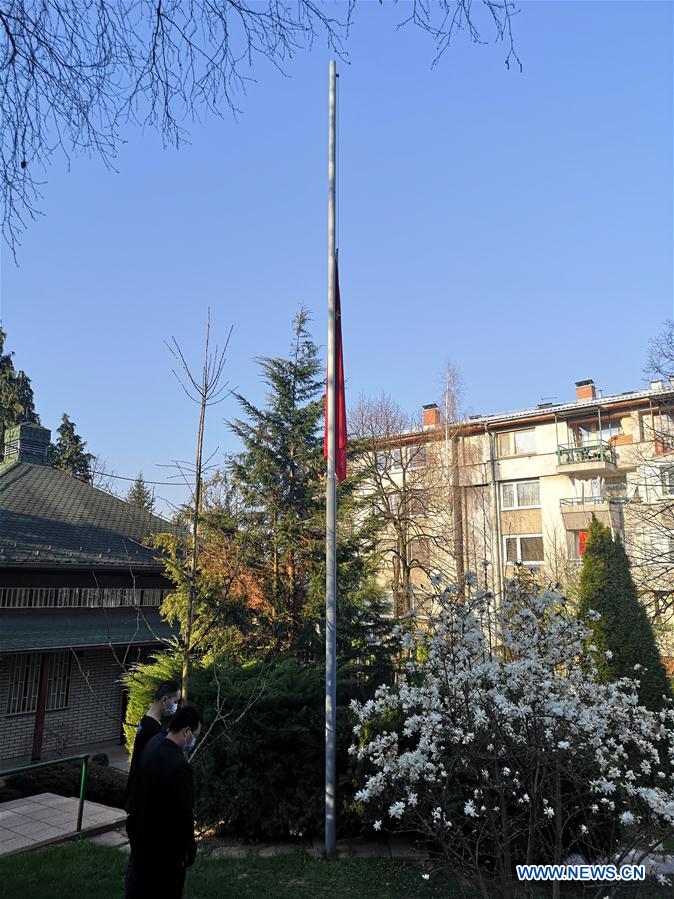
[593,500]
[587,452]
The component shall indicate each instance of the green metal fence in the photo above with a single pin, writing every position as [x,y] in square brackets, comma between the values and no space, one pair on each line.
[68,758]
[586,452]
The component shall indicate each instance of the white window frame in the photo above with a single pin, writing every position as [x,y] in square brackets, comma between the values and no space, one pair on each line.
[512,451]
[417,455]
[519,538]
[506,508]
[667,488]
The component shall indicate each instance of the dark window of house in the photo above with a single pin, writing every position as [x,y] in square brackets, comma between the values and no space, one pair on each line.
[58,689]
[24,682]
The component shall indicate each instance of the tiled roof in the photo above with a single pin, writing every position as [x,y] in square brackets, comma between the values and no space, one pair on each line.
[577,405]
[49,518]
[27,630]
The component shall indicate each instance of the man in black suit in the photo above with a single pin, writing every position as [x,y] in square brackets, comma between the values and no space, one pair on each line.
[161,812]
[164,706]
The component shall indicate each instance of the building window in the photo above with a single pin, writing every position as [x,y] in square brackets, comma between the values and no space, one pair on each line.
[662,601]
[576,543]
[589,433]
[517,443]
[24,682]
[524,550]
[520,495]
[58,687]
[417,456]
[389,459]
[667,480]
[420,552]
[663,427]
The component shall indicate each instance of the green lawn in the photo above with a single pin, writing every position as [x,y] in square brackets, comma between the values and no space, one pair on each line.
[62,871]
[66,870]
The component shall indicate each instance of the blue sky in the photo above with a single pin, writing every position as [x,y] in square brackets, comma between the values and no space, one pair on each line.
[518,224]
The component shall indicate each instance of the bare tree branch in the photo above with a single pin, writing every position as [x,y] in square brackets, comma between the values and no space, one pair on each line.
[74,72]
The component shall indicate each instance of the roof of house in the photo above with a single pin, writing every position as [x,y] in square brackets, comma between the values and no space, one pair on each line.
[24,631]
[627,398]
[547,411]
[50,519]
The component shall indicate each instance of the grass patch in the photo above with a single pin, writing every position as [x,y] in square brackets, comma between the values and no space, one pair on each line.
[65,870]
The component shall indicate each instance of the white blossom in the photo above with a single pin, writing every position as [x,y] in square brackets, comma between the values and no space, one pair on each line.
[471,714]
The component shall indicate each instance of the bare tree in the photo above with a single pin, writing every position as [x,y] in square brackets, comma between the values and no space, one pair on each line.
[408,480]
[205,390]
[73,72]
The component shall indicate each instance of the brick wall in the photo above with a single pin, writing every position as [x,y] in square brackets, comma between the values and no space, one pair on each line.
[94,708]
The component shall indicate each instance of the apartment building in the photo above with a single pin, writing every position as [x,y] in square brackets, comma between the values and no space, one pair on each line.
[493,492]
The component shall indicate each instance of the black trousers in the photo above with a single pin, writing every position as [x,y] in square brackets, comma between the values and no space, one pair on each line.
[158,883]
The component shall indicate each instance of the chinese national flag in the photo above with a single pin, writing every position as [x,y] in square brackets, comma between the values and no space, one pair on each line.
[340,396]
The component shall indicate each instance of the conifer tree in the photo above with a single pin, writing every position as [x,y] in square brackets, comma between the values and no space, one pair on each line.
[623,634]
[140,496]
[68,452]
[278,475]
[17,404]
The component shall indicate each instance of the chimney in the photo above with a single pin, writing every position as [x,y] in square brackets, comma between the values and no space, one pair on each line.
[27,443]
[585,390]
[431,415]
[657,385]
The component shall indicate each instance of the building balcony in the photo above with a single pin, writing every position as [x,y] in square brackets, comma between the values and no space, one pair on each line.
[577,512]
[586,460]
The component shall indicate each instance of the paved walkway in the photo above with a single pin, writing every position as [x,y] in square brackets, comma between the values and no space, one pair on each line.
[117,755]
[36,821]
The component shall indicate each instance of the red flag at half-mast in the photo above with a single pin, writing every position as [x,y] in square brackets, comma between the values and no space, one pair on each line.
[340,394]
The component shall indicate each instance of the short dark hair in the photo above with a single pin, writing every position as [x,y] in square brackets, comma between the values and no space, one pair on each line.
[166,688]
[186,716]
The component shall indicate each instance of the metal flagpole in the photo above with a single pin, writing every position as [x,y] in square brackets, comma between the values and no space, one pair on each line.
[331,505]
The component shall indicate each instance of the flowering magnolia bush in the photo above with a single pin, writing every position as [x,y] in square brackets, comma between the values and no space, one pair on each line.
[499,745]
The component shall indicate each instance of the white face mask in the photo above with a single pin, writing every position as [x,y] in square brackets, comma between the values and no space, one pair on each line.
[171,710]
[190,746]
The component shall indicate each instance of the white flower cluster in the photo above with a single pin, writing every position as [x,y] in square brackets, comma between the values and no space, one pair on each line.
[512,705]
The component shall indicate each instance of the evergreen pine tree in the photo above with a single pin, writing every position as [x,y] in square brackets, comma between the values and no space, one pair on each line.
[140,496]
[17,404]
[68,452]
[279,476]
[624,630]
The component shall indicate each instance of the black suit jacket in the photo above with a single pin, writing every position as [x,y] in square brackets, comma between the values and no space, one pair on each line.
[161,813]
[147,729]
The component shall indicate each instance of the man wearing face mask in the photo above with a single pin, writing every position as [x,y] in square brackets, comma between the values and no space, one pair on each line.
[161,816]
[153,722]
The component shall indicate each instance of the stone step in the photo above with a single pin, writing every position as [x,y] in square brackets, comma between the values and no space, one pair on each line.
[114,838]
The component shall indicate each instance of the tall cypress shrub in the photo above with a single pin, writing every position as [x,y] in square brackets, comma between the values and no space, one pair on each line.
[623,634]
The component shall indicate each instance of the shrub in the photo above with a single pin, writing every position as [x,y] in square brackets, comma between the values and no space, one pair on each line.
[501,746]
[259,770]
[105,785]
